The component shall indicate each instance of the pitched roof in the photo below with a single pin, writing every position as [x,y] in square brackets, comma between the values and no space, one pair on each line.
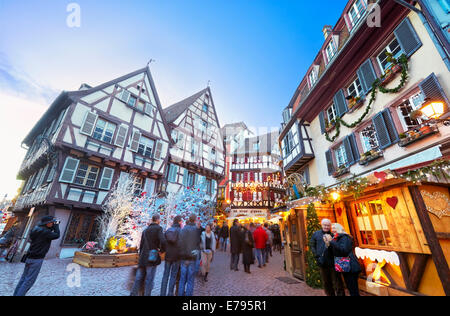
[175,110]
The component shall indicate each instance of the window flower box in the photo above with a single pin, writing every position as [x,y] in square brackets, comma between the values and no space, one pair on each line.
[341,171]
[329,126]
[417,134]
[390,74]
[355,103]
[370,156]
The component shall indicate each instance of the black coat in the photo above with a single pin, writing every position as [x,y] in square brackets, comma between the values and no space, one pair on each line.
[247,248]
[343,247]
[189,240]
[41,238]
[324,257]
[152,238]
[224,232]
[173,249]
[236,237]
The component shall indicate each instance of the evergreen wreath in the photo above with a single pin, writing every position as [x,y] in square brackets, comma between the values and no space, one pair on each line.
[376,86]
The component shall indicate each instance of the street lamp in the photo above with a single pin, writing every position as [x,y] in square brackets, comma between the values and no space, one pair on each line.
[434,109]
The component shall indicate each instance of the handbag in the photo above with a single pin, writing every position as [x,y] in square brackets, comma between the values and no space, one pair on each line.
[153,256]
[342,264]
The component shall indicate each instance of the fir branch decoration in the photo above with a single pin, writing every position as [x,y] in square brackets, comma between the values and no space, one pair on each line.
[313,278]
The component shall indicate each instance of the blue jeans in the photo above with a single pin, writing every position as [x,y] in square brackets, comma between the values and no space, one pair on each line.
[234,261]
[170,270]
[197,263]
[29,276]
[187,278]
[260,256]
[144,273]
[223,243]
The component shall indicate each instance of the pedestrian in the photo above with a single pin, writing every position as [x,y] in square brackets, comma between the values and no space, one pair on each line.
[6,241]
[235,244]
[247,248]
[208,246]
[277,238]
[153,243]
[269,243]
[224,236]
[331,280]
[41,238]
[172,260]
[260,237]
[189,243]
[345,260]
[199,257]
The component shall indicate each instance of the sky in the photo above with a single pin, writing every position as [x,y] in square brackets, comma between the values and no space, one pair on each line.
[254,53]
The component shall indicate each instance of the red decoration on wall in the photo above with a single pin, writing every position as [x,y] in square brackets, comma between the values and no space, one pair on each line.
[381,175]
[392,201]
[339,211]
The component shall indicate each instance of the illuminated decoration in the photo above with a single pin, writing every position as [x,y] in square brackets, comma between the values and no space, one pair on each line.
[390,257]
[295,185]
[433,109]
[379,276]
[255,186]
[335,196]
[437,203]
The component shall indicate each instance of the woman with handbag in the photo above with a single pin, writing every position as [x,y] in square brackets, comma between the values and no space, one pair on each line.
[345,261]
[247,248]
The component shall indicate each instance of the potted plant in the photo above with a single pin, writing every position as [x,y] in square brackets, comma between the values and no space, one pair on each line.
[402,136]
[425,129]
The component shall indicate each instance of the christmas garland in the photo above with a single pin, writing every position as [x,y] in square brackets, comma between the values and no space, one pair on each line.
[376,86]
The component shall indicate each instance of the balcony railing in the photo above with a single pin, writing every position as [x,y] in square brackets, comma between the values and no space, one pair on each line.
[35,197]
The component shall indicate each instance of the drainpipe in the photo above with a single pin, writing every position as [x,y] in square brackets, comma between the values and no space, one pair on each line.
[434,38]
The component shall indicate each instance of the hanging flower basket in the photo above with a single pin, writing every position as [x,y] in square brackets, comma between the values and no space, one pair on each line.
[390,74]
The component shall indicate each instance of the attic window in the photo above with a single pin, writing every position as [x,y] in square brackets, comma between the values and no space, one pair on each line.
[205,107]
[139,89]
[356,12]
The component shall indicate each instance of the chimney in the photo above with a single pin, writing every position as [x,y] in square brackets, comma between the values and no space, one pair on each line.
[327,29]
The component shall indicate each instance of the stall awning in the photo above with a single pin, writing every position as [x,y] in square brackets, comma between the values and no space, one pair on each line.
[278,209]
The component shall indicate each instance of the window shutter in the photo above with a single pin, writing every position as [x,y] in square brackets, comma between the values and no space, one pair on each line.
[125,96]
[51,175]
[322,122]
[389,122]
[70,167]
[306,176]
[148,108]
[432,90]
[89,123]
[330,164]
[107,175]
[382,132]
[340,103]
[367,76]
[43,174]
[354,147]
[158,150]
[186,178]
[36,180]
[58,121]
[135,139]
[196,179]
[407,37]
[348,151]
[121,135]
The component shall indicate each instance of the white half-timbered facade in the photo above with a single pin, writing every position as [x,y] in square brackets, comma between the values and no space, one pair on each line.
[197,155]
[83,144]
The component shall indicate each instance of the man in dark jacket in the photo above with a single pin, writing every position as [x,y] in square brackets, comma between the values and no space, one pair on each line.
[172,264]
[332,282]
[189,244]
[152,239]
[41,238]
[236,237]
[223,236]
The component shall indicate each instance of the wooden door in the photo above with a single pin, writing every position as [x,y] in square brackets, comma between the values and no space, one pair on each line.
[297,246]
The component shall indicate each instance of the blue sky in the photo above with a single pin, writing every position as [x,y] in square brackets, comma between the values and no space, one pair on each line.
[254,52]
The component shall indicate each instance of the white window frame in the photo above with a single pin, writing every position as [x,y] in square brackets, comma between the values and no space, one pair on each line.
[330,50]
[355,87]
[389,50]
[358,13]
[366,144]
[107,125]
[411,103]
[333,111]
[341,156]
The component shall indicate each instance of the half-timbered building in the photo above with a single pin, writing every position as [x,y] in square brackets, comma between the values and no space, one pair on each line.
[82,145]
[197,156]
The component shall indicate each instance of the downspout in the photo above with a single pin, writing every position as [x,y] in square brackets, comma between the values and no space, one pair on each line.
[441,50]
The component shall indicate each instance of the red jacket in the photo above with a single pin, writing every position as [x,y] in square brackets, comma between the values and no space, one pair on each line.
[260,237]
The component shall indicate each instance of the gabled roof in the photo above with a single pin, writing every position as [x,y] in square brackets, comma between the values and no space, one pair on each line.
[66,98]
[175,110]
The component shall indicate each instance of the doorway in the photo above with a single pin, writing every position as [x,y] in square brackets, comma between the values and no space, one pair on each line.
[297,244]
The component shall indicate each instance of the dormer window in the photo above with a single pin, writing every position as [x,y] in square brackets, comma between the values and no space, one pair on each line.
[356,12]
[205,107]
[312,77]
[330,51]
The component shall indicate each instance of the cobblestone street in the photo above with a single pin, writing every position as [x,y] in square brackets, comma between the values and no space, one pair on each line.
[52,280]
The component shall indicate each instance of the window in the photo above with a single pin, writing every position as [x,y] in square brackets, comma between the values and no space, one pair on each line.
[145,147]
[104,131]
[330,51]
[288,143]
[312,78]
[356,12]
[138,185]
[132,101]
[256,146]
[140,106]
[205,107]
[331,113]
[341,156]
[80,230]
[191,179]
[369,138]
[194,148]
[208,187]
[393,48]
[372,224]
[212,156]
[406,108]
[355,89]
[86,175]
[173,172]
[203,126]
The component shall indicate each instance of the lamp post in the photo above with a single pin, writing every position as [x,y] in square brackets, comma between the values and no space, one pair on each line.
[434,109]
